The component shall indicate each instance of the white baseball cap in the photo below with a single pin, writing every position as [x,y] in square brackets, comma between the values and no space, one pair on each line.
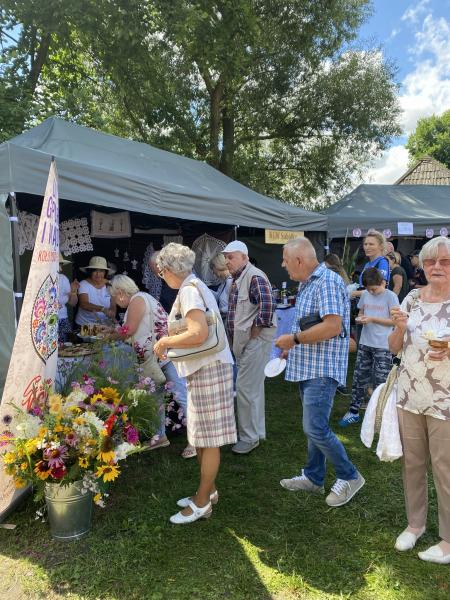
[236,246]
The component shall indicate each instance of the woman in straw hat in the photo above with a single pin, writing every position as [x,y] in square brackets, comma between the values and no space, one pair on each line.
[68,295]
[95,303]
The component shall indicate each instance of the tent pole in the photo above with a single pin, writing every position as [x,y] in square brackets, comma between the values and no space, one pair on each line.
[14,218]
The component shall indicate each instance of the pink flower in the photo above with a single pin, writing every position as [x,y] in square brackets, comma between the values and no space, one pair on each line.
[124,330]
[71,440]
[102,364]
[88,380]
[36,411]
[5,438]
[55,457]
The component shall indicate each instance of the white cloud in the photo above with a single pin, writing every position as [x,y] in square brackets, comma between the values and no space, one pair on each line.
[426,89]
[389,167]
[413,13]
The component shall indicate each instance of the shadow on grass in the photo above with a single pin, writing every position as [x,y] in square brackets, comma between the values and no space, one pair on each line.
[261,543]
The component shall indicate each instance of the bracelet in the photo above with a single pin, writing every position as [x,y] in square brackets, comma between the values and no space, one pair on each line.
[296,340]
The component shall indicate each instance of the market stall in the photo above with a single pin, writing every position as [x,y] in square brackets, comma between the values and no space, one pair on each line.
[121,199]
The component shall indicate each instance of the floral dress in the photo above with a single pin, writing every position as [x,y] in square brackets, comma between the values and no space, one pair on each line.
[424,384]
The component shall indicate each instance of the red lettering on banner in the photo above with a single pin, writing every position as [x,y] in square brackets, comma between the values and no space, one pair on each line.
[34,393]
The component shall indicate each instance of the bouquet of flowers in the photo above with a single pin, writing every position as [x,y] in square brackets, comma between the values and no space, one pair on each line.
[79,436]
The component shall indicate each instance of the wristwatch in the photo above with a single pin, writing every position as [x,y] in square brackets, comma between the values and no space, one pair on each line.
[296,340]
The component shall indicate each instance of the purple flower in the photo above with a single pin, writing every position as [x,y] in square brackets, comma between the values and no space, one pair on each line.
[55,456]
[132,434]
[88,389]
[36,411]
[102,364]
[88,380]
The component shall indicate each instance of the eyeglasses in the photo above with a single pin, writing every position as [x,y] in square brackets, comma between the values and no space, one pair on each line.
[431,262]
[161,272]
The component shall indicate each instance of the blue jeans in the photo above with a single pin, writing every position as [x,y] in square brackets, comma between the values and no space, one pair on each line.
[317,397]
[180,394]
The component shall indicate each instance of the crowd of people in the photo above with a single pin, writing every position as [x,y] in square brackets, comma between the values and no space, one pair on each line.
[395,303]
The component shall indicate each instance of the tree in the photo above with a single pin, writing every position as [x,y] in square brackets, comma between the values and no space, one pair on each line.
[270,92]
[431,138]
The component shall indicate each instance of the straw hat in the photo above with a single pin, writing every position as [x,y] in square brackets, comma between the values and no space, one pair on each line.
[63,261]
[97,263]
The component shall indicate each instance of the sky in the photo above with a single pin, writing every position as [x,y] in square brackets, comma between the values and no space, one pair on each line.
[415,34]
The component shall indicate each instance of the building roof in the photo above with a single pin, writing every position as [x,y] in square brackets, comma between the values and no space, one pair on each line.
[426,171]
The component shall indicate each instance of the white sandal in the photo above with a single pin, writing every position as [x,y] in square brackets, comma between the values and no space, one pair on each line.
[184,502]
[203,512]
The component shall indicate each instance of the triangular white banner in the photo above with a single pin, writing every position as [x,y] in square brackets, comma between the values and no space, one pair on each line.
[35,352]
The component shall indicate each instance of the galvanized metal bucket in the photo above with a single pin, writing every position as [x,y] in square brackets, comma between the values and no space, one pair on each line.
[69,511]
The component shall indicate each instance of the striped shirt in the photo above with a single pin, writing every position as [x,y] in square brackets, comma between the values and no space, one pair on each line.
[260,292]
[324,292]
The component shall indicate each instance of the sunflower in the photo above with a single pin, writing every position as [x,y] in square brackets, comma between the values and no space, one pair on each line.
[108,472]
[97,398]
[111,395]
[58,428]
[97,498]
[83,462]
[42,469]
[23,466]
[106,452]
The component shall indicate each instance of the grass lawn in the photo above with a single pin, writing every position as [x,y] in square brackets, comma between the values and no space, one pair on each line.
[262,542]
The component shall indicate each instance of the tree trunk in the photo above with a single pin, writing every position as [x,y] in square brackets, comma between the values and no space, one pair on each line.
[38,61]
[226,161]
[216,95]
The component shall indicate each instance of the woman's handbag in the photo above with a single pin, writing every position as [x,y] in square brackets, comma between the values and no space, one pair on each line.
[215,342]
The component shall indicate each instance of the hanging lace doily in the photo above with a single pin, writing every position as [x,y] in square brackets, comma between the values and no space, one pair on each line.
[205,248]
[151,281]
[177,239]
[28,226]
[74,236]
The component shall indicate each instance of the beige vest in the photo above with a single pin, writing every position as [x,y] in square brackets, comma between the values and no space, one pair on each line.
[246,312]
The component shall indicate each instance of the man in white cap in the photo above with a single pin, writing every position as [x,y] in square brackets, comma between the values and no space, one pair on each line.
[250,327]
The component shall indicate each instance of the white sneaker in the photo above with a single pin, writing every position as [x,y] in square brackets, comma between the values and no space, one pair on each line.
[407,540]
[343,491]
[301,482]
[203,512]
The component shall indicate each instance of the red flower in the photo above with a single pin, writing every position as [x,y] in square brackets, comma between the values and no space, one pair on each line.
[58,472]
[109,423]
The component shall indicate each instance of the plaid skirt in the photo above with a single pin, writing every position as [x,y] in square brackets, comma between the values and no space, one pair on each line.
[210,406]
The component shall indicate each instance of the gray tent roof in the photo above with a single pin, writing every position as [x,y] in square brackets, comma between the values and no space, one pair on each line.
[102,169]
[383,206]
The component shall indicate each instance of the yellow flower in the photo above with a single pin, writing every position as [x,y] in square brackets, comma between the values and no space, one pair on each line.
[42,433]
[19,482]
[9,458]
[68,430]
[55,404]
[97,398]
[79,421]
[97,498]
[58,428]
[24,466]
[124,417]
[111,395]
[108,472]
[106,453]
[42,470]
[31,446]
[75,409]
[83,462]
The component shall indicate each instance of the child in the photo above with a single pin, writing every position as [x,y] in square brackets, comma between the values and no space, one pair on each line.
[374,360]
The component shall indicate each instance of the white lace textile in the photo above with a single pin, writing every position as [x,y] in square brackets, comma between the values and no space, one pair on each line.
[205,248]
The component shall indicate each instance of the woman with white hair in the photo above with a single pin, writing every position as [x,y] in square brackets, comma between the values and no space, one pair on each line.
[145,322]
[210,420]
[423,398]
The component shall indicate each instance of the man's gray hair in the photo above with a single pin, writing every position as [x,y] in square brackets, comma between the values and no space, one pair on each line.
[430,249]
[303,245]
[176,258]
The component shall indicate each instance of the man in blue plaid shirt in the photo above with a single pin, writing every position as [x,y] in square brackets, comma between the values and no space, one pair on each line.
[317,358]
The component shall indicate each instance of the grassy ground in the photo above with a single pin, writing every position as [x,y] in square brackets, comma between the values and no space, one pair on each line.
[261,543]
